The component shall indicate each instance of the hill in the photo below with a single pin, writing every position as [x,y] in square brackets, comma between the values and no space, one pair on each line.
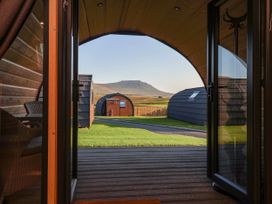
[131,88]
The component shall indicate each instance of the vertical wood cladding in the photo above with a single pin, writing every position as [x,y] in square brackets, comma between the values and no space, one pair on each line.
[114,105]
[86,101]
[232,101]
[189,105]
[21,67]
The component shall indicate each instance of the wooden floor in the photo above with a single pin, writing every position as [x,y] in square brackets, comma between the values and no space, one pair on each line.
[31,195]
[171,174]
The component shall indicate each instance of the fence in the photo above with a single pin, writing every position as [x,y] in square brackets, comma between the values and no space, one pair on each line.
[150,111]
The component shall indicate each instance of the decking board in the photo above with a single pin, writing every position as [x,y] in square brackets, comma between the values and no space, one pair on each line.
[171,174]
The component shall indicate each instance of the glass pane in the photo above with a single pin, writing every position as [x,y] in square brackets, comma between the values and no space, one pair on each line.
[21,115]
[72,113]
[122,104]
[232,91]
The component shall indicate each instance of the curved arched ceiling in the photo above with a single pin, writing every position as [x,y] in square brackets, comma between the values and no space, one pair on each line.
[179,23]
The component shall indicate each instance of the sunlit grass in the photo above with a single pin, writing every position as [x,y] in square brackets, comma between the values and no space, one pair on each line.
[102,135]
[232,134]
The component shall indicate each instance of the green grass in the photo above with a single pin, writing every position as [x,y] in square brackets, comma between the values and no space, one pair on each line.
[102,135]
[160,120]
[232,134]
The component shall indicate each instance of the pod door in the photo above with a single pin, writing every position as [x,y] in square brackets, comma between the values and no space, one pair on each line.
[228,101]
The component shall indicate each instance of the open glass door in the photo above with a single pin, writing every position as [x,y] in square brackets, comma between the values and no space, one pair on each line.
[67,101]
[228,101]
[75,93]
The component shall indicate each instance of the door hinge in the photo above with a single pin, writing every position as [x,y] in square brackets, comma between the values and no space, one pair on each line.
[75,91]
[262,82]
[65,4]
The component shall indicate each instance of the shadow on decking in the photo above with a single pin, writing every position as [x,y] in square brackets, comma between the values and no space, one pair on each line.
[171,174]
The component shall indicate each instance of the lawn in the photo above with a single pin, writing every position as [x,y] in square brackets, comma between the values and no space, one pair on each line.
[160,120]
[232,134]
[102,135]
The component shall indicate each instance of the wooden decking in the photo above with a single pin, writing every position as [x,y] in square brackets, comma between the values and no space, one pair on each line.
[171,174]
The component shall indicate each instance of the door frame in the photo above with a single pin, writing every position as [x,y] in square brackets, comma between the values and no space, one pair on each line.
[254,127]
[252,193]
[67,92]
[254,103]
[44,169]
[64,102]
[75,91]
[267,103]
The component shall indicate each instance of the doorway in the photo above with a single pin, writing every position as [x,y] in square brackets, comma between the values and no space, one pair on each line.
[234,83]
[240,181]
[117,154]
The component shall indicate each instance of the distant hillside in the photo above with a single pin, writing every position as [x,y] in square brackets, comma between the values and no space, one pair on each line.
[130,87]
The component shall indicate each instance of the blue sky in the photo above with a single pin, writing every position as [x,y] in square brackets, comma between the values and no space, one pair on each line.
[230,65]
[114,58]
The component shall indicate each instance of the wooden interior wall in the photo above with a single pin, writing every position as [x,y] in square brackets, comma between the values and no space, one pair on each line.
[21,68]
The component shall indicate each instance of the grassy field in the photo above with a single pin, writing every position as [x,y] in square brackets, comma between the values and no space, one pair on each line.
[160,120]
[232,134]
[101,135]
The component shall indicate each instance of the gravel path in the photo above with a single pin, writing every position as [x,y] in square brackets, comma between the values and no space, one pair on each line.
[161,129]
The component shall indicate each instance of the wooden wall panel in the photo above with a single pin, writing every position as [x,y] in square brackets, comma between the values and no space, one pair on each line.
[20,109]
[14,100]
[32,53]
[21,68]
[6,90]
[28,36]
[14,55]
[10,79]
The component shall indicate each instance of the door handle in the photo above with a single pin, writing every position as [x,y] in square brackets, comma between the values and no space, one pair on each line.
[210,92]
[76,94]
